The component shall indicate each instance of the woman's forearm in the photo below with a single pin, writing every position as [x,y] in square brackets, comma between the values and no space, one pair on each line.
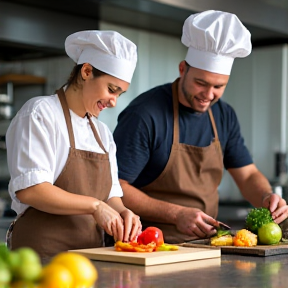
[51,199]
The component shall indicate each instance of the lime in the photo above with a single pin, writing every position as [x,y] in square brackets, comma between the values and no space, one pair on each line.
[4,251]
[5,274]
[28,255]
[270,233]
[28,271]
[29,267]
[23,284]
[13,260]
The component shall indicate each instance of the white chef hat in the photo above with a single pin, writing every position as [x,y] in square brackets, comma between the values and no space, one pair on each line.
[107,51]
[214,39]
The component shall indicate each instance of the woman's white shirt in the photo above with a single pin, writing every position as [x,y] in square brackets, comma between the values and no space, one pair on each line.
[38,145]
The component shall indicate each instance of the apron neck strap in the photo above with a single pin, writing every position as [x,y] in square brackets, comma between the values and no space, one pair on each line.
[176,111]
[63,101]
[95,133]
[67,116]
[213,124]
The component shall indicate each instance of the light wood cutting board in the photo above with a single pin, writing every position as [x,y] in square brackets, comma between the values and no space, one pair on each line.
[147,259]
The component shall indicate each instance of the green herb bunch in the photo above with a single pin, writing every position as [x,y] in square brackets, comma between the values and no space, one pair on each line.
[256,218]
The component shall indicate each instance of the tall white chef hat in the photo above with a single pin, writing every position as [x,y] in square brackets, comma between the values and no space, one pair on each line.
[107,51]
[214,39]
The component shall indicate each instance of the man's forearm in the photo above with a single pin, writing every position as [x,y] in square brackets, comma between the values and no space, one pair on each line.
[256,188]
[253,185]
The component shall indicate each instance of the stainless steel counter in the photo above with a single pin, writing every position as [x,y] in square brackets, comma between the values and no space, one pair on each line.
[227,271]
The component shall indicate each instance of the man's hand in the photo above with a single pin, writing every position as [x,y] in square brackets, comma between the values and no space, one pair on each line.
[277,206]
[195,223]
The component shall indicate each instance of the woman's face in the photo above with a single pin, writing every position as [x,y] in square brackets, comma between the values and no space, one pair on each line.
[100,92]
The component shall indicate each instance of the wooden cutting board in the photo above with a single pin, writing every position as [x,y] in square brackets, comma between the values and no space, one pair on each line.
[152,258]
[258,250]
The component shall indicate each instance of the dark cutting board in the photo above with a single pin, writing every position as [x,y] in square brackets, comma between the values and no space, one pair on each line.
[259,250]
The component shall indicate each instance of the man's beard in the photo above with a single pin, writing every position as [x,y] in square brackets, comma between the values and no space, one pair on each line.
[189,97]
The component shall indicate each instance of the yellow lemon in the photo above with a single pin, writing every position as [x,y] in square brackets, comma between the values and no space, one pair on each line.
[82,269]
[55,275]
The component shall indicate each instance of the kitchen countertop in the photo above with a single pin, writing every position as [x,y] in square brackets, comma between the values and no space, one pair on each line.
[227,271]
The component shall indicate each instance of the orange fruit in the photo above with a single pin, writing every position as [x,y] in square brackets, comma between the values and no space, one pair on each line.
[83,271]
[55,275]
[270,233]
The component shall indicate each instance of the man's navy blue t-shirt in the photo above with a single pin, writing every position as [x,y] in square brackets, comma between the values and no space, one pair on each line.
[144,135]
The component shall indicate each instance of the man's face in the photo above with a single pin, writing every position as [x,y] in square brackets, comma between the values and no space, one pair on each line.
[199,89]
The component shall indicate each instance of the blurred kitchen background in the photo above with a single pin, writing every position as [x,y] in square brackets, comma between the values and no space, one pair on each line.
[33,62]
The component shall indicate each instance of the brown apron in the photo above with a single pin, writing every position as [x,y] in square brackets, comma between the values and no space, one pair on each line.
[85,173]
[191,177]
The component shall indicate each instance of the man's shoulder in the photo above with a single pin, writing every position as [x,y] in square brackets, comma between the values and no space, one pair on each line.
[154,96]
[221,107]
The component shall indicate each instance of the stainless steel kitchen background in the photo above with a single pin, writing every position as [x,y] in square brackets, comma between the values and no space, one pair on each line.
[258,84]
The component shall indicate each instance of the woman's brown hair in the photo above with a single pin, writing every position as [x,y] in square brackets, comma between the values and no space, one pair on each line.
[74,75]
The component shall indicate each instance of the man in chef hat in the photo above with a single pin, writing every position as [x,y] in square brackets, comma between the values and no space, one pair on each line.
[62,159]
[174,140]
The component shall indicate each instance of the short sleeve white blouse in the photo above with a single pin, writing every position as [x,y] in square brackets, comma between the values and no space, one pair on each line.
[38,144]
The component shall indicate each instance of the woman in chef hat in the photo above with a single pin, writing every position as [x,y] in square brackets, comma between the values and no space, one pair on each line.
[64,177]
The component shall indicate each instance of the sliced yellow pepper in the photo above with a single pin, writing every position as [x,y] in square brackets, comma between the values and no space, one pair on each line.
[167,247]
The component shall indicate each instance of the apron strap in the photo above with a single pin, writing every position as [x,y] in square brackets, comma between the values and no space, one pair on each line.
[176,111]
[95,133]
[213,124]
[67,116]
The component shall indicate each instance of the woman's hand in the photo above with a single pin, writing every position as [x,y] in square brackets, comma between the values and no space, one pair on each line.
[131,222]
[132,225]
[109,219]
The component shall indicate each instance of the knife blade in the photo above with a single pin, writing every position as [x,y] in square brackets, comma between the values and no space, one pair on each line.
[222,226]
[223,229]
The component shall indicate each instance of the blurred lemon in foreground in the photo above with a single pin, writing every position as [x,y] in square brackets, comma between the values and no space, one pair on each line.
[55,275]
[83,271]
[270,233]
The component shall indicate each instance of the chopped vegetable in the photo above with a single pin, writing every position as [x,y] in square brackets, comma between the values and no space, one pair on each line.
[226,240]
[151,234]
[245,238]
[257,217]
[223,232]
[134,247]
[167,247]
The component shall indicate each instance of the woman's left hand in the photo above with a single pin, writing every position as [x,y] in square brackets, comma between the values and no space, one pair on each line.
[277,206]
[131,222]
[132,225]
